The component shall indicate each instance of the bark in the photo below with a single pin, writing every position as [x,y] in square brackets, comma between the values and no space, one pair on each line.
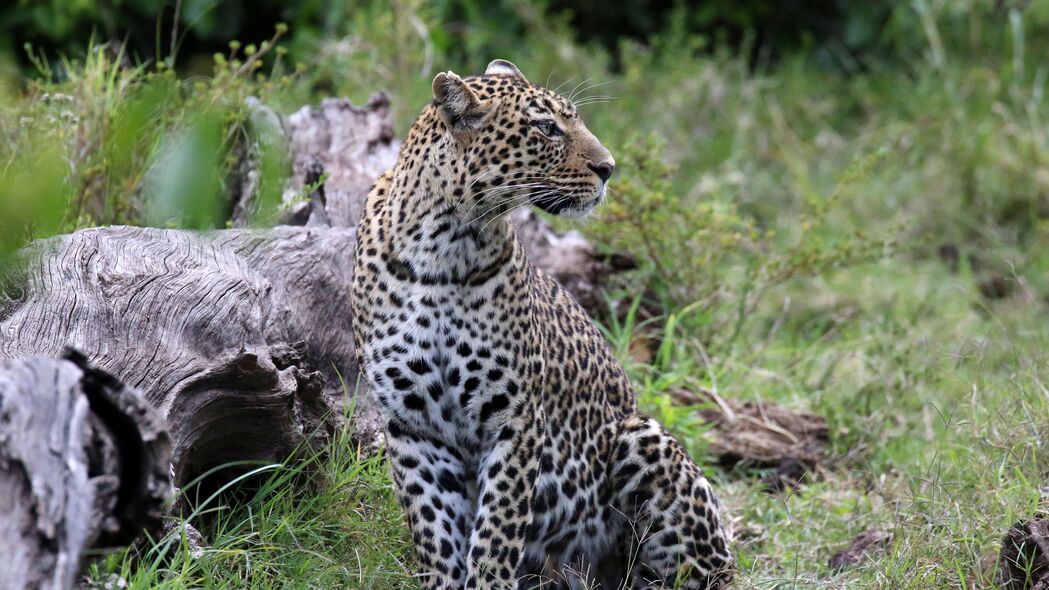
[1023,561]
[238,337]
[351,145]
[84,463]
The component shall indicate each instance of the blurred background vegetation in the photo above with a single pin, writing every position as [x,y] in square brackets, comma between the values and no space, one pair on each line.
[840,206]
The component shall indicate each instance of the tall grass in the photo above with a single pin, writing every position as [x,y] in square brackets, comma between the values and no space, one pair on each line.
[340,529]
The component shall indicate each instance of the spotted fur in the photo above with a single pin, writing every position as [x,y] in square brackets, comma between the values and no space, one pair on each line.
[516,445]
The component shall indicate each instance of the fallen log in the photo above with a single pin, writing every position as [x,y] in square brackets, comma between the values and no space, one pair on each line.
[240,338]
[83,464]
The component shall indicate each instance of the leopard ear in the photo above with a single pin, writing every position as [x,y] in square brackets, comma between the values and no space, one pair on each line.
[501,67]
[458,106]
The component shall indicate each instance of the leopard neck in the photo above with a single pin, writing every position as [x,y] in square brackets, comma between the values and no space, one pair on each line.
[435,232]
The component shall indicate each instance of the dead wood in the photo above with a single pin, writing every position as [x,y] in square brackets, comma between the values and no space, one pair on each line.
[240,338]
[864,547]
[84,463]
[350,145]
[761,433]
[1023,563]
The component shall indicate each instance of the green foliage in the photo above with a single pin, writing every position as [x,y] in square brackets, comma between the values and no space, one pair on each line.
[674,366]
[92,137]
[684,242]
[703,252]
[150,30]
[32,202]
[154,29]
[185,184]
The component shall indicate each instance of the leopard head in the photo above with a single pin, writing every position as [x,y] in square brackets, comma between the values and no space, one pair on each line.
[522,143]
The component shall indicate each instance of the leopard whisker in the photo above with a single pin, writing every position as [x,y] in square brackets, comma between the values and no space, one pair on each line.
[523,198]
[520,203]
[595,99]
[555,90]
[529,192]
[469,187]
[579,95]
[572,93]
[511,180]
[488,194]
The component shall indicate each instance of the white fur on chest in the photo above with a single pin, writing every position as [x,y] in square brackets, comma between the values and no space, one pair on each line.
[440,363]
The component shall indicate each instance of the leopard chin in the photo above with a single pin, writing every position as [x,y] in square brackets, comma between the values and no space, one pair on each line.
[581,211]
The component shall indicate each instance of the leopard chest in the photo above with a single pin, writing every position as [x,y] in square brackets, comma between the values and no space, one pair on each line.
[450,362]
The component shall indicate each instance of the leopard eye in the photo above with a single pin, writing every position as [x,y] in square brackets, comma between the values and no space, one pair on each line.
[548,128]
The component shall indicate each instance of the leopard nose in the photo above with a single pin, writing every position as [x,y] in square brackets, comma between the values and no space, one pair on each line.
[602,169]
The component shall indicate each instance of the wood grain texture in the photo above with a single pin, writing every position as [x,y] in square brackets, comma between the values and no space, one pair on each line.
[83,464]
[238,337]
[352,145]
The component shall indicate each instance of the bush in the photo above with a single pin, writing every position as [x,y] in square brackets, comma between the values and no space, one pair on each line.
[701,252]
[91,137]
[844,34]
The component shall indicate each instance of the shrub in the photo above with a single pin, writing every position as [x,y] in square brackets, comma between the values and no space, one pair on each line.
[92,136]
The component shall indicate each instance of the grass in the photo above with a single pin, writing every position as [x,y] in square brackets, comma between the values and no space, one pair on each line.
[341,530]
[867,243]
[937,408]
[937,423]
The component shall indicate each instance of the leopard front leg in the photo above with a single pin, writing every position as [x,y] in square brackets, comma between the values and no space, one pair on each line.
[506,480]
[431,481]
[673,534]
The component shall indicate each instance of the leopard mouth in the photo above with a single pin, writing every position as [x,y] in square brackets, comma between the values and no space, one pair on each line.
[553,202]
[569,205]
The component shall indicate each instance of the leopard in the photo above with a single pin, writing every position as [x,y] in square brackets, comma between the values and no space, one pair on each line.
[516,446]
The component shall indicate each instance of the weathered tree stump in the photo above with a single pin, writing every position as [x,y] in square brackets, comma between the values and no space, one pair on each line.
[351,145]
[84,462]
